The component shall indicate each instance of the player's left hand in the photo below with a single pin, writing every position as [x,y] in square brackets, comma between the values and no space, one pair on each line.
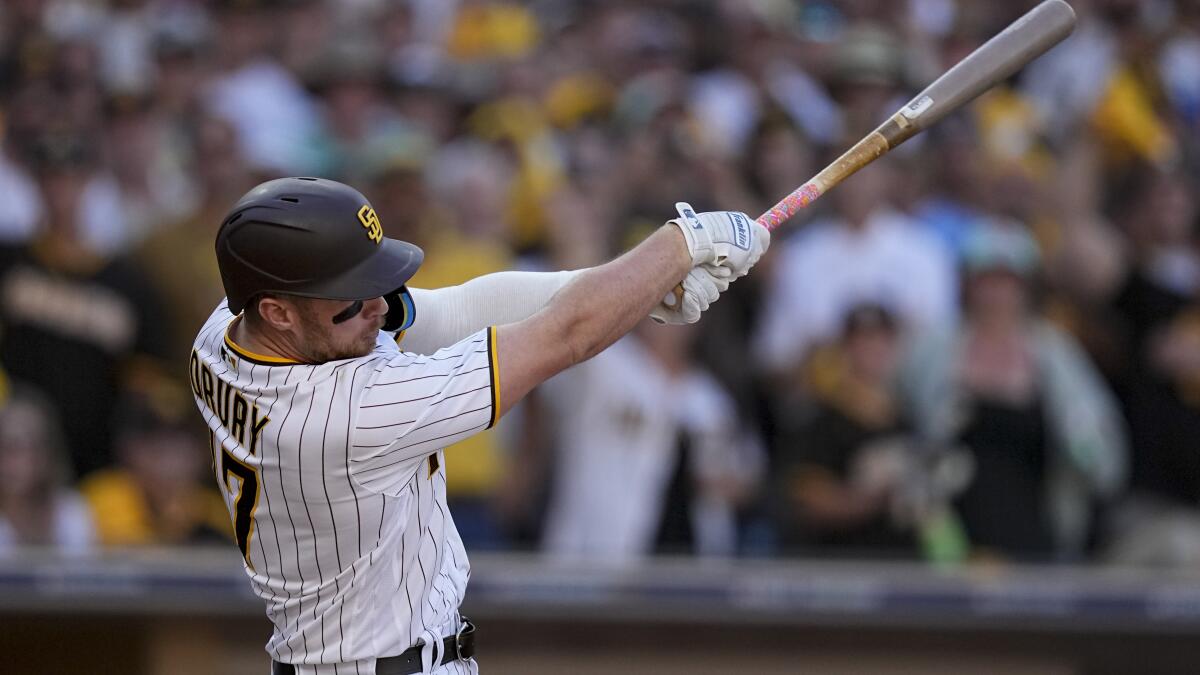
[703,285]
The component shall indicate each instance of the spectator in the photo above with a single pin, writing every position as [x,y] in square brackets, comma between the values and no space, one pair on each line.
[1042,427]
[158,493]
[470,180]
[648,454]
[837,468]
[75,319]
[957,186]
[277,121]
[176,255]
[359,126]
[500,134]
[37,508]
[148,181]
[865,251]
[1158,307]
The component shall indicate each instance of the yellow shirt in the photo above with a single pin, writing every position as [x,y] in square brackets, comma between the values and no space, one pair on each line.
[500,30]
[123,516]
[1126,120]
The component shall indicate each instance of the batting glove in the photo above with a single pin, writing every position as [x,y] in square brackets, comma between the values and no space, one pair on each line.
[701,288]
[722,238]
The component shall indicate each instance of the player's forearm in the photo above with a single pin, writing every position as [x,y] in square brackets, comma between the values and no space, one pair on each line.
[606,302]
[447,315]
[590,313]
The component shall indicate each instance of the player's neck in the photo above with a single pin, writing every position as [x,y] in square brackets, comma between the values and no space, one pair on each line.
[263,342]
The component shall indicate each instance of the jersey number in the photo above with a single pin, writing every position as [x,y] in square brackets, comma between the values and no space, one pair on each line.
[245,500]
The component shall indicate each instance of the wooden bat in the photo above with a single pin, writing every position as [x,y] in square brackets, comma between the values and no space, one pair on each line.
[1024,40]
[1021,42]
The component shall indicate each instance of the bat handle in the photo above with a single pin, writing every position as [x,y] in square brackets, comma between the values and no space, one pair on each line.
[887,136]
[789,205]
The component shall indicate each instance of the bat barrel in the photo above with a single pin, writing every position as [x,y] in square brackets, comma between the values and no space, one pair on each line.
[1022,41]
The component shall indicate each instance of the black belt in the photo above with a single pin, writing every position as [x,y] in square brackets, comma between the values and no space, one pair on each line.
[454,647]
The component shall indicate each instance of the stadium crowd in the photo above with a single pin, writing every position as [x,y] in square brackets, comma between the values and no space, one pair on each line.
[984,346]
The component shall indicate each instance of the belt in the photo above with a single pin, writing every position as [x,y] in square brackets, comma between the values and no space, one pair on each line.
[454,647]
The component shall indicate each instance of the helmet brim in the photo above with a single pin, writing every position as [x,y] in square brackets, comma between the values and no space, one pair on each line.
[390,268]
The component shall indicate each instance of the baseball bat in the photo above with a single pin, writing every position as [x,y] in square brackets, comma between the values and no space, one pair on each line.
[1021,42]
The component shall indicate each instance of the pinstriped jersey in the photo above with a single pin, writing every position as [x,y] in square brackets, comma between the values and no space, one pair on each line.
[335,481]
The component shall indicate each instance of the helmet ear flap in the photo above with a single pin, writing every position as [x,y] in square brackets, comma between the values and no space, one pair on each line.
[401,310]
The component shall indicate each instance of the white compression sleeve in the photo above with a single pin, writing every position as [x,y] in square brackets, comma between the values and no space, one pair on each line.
[447,315]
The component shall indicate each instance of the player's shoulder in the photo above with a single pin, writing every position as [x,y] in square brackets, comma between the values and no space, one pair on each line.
[218,320]
[388,355]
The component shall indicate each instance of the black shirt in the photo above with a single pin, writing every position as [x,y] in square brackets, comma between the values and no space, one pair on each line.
[832,441]
[1003,508]
[72,334]
[1163,424]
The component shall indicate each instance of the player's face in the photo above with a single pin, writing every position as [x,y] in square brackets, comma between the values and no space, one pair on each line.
[350,337]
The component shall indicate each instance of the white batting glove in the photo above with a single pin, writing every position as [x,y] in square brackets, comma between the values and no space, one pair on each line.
[722,238]
[701,288]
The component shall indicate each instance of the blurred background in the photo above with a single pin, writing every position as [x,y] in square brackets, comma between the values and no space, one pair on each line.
[949,424]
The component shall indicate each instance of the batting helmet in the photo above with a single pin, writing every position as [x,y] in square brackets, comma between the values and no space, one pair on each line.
[310,237]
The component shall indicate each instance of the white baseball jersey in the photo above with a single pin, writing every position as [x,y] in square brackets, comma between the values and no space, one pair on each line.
[619,416]
[335,481]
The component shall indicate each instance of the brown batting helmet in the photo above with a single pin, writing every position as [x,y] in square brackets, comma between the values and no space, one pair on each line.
[310,237]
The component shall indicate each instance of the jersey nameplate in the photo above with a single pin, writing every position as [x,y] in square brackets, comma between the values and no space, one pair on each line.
[242,418]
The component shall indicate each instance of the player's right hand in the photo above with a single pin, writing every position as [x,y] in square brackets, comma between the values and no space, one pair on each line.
[728,239]
[701,288]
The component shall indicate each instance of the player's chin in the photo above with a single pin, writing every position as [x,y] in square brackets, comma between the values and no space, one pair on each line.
[367,343]
[355,352]
[357,349]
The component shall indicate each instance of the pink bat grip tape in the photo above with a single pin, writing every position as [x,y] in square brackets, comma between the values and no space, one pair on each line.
[789,205]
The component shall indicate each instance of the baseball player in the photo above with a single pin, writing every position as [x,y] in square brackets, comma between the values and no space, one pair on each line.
[327,436]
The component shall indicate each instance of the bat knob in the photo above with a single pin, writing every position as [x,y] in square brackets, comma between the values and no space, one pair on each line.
[675,297]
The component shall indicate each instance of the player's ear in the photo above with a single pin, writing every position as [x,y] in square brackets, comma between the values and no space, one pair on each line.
[277,313]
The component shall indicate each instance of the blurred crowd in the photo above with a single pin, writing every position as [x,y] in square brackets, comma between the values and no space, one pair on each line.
[985,346]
